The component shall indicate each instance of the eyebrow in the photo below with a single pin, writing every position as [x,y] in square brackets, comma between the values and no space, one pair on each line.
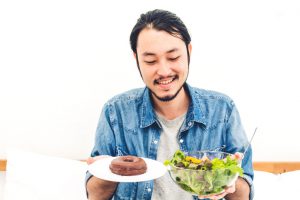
[153,54]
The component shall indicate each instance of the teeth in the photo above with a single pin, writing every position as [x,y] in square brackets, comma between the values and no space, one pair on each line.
[165,82]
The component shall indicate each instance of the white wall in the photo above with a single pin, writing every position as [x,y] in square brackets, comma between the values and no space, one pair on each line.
[61,60]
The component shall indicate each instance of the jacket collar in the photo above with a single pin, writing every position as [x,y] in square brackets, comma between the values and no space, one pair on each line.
[194,114]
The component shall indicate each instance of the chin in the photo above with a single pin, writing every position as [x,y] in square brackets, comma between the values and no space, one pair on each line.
[166,97]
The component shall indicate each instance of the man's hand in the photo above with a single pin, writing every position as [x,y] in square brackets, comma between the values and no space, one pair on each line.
[91,160]
[99,189]
[242,191]
[229,191]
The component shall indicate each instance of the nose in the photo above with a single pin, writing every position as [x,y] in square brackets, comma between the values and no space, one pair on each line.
[164,69]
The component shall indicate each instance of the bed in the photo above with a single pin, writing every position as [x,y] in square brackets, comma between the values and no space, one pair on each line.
[31,176]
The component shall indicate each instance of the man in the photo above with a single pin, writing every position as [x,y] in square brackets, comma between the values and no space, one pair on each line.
[166,115]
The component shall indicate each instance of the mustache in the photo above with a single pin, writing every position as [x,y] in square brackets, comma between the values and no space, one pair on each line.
[156,81]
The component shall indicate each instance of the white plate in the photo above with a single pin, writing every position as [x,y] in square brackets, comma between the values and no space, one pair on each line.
[100,169]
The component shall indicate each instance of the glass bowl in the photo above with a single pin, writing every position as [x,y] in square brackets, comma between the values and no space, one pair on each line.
[204,172]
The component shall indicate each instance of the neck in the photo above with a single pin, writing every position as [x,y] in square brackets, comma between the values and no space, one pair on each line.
[174,108]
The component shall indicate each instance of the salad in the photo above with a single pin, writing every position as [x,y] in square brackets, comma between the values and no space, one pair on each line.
[203,176]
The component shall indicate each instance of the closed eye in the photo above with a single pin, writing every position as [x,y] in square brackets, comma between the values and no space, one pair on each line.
[150,62]
[173,59]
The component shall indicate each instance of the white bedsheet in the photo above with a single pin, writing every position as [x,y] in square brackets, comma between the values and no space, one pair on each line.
[2,181]
[32,176]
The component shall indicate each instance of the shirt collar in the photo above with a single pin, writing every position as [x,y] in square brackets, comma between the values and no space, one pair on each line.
[147,114]
[194,114]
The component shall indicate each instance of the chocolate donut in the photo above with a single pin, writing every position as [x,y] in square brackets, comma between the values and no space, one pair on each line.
[128,166]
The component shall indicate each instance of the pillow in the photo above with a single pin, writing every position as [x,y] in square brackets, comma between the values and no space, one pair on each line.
[32,176]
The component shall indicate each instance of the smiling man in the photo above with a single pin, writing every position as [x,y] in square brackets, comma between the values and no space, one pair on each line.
[163,64]
[166,115]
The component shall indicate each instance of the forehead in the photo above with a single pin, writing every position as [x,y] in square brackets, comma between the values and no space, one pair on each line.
[158,42]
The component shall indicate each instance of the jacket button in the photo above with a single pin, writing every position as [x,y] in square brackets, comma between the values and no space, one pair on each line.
[149,189]
[155,141]
[190,124]
[181,140]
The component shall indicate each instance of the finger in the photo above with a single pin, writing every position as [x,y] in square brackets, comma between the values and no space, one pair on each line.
[230,189]
[213,197]
[91,160]
[204,196]
[220,196]
[239,155]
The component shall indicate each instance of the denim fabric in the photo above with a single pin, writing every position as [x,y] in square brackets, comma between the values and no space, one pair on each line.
[128,126]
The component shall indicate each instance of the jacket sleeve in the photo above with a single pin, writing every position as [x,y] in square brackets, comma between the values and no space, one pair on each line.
[237,141]
[104,139]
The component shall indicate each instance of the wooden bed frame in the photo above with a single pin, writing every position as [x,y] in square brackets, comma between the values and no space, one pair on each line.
[276,167]
[273,167]
[2,165]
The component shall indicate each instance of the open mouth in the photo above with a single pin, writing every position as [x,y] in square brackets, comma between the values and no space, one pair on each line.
[165,81]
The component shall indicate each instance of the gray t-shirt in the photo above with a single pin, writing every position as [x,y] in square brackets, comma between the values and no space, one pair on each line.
[164,187]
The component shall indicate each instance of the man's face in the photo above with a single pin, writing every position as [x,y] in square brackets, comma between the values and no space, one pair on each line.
[163,62]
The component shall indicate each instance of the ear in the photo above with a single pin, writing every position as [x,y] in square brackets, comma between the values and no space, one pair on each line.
[190,48]
[134,55]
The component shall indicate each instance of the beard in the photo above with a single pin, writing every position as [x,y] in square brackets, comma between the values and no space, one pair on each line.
[168,97]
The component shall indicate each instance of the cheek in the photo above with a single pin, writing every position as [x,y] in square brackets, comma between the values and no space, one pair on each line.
[182,66]
[147,73]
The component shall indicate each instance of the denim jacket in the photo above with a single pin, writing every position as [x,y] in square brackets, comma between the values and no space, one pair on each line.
[128,126]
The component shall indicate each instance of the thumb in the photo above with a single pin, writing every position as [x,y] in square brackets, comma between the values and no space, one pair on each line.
[239,155]
[91,160]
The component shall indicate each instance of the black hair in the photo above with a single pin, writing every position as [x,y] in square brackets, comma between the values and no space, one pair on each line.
[160,20]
